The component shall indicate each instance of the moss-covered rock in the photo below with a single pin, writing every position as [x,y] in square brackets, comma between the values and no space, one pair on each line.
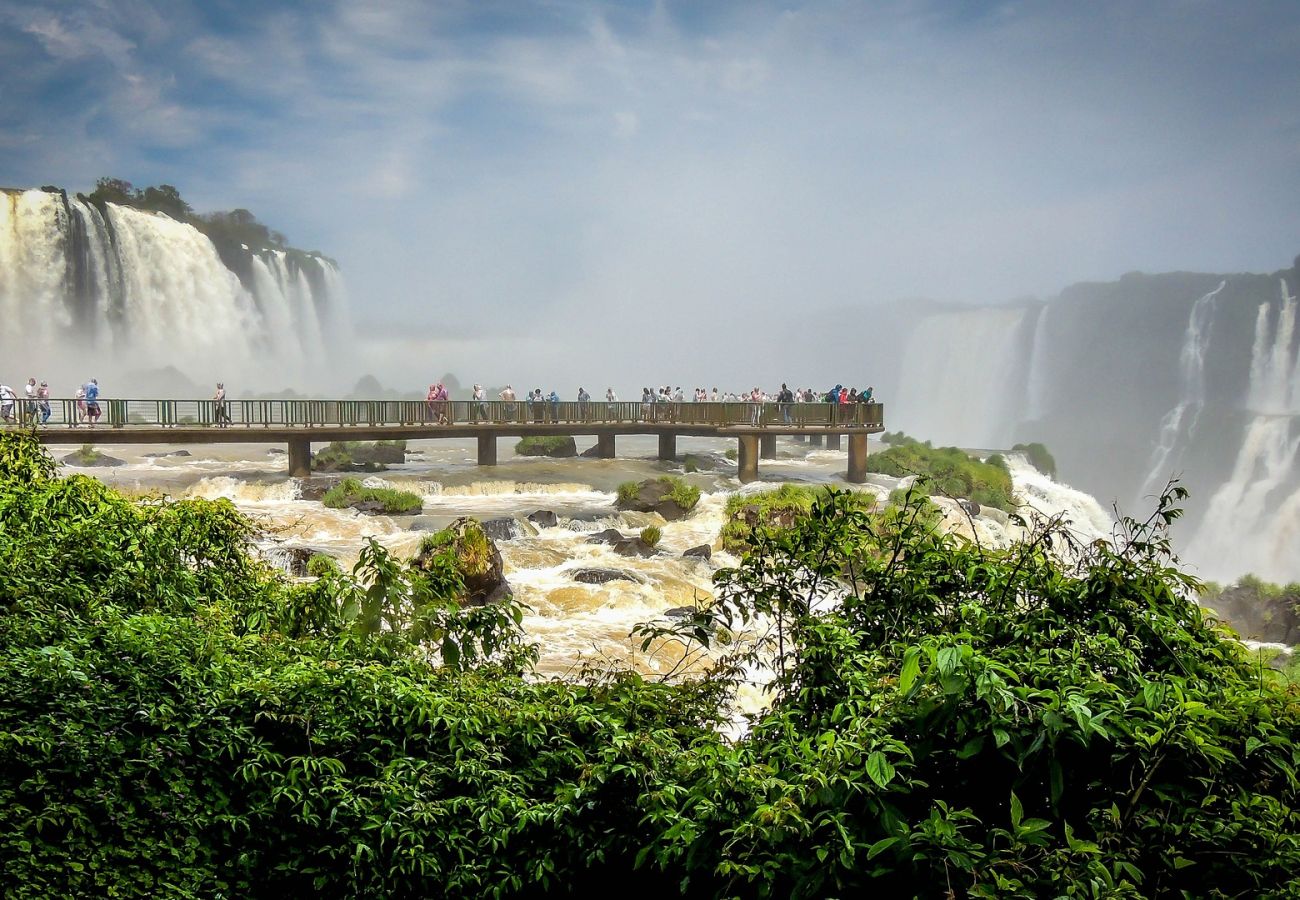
[948,471]
[358,456]
[475,557]
[555,445]
[779,508]
[373,501]
[1039,457]
[87,456]
[671,497]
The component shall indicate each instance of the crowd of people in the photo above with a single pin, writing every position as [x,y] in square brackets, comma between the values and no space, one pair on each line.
[34,407]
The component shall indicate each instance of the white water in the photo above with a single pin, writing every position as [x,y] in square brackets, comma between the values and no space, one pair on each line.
[1178,426]
[84,294]
[1252,523]
[1036,406]
[959,382]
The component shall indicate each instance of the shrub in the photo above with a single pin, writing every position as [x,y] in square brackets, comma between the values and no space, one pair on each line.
[627,492]
[683,494]
[731,453]
[350,492]
[949,471]
[322,565]
[559,445]
[780,507]
[650,536]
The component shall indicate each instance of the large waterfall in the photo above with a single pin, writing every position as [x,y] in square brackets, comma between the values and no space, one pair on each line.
[88,294]
[1253,521]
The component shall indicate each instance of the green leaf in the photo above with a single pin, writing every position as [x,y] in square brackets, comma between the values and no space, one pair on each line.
[911,669]
[1017,811]
[880,847]
[879,769]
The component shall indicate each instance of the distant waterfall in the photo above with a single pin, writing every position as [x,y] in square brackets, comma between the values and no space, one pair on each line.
[87,293]
[961,377]
[1252,523]
[1036,405]
[1179,424]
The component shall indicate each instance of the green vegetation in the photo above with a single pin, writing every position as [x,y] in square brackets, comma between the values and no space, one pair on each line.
[650,536]
[1038,457]
[321,565]
[898,438]
[690,466]
[559,445]
[779,508]
[730,453]
[86,455]
[351,492]
[667,495]
[627,492]
[232,228]
[1257,609]
[685,495]
[179,720]
[948,471]
[471,548]
[358,456]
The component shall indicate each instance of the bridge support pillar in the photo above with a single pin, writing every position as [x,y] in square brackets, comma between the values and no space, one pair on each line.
[487,450]
[767,446]
[857,458]
[815,440]
[747,458]
[668,446]
[605,444]
[300,458]
[832,442]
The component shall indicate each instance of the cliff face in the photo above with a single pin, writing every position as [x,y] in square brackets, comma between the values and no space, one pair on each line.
[1131,382]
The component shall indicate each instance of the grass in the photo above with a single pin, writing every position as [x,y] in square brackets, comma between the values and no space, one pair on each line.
[470,546]
[355,455]
[321,565]
[627,491]
[85,455]
[350,491]
[948,471]
[650,535]
[686,496]
[788,498]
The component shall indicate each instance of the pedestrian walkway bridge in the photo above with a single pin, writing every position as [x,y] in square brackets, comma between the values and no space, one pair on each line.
[300,423]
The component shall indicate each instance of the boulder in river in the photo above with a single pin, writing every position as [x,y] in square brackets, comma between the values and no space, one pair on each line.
[169,453]
[703,551]
[608,536]
[88,456]
[477,560]
[508,528]
[603,576]
[544,518]
[554,445]
[670,497]
[635,547]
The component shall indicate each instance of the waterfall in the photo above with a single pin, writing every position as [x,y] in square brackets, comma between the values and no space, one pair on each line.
[1179,424]
[959,380]
[1252,523]
[1036,389]
[87,292]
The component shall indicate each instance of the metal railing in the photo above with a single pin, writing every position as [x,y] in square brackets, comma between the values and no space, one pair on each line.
[115,413]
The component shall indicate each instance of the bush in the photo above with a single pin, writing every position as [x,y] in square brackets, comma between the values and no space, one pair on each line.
[731,454]
[1038,457]
[321,565]
[949,471]
[780,508]
[557,445]
[627,492]
[350,492]
[650,536]
[685,495]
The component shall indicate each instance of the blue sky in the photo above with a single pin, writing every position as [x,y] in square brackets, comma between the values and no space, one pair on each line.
[557,172]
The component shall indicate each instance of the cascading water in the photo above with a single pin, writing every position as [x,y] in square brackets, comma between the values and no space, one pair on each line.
[1178,426]
[960,380]
[132,290]
[1252,523]
[1036,388]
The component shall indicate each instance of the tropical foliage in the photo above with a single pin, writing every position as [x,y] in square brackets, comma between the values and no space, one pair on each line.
[948,471]
[176,719]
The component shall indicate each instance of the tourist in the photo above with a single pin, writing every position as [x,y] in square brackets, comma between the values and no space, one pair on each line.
[756,410]
[785,398]
[29,406]
[555,406]
[647,404]
[480,406]
[43,396]
[220,415]
[7,400]
[583,399]
[92,402]
[610,399]
[508,402]
[431,403]
[81,405]
[714,396]
[443,402]
[866,396]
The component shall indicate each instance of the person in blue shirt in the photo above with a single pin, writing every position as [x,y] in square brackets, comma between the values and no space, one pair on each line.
[92,401]
[555,406]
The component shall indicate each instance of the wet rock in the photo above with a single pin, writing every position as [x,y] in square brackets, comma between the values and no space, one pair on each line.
[508,528]
[477,559]
[608,536]
[544,518]
[970,507]
[592,452]
[557,446]
[427,523]
[369,507]
[276,451]
[680,612]
[635,547]
[292,560]
[165,455]
[703,551]
[603,576]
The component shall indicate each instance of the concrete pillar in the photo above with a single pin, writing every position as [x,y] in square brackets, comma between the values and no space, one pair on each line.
[747,458]
[857,458]
[668,446]
[300,458]
[815,440]
[767,446]
[487,450]
[605,444]
[832,442]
